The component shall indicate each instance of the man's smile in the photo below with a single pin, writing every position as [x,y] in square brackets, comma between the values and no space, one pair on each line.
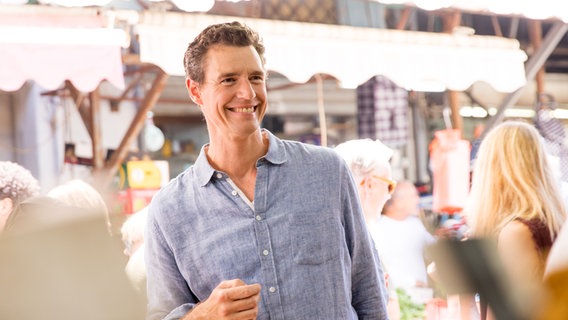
[243,110]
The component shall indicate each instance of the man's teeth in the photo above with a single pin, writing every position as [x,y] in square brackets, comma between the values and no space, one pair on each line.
[246,110]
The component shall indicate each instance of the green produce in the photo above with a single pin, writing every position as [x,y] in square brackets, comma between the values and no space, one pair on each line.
[409,310]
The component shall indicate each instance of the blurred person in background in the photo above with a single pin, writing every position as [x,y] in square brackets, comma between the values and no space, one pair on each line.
[36,213]
[556,280]
[132,231]
[369,162]
[558,258]
[16,185]
[58,262]
[515,199]
[79,194]
[402,238]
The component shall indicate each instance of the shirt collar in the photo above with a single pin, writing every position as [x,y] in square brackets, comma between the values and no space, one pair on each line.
[276,151]
[276,155]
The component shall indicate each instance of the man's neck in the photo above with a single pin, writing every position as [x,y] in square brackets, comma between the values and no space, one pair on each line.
[236,157]
[370,210]
[396,215]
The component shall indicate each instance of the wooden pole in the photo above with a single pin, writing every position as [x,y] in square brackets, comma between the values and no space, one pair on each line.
[89,110]
[535,34]
[104,177]
[535,62]
[321,110]
[82,106]
[96,134]
[451,21]
[403,21]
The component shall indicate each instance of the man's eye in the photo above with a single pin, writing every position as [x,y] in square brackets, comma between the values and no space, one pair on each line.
[228,81]
[257,79]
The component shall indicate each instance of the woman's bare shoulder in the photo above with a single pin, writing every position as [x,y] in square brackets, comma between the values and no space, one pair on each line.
[515,233]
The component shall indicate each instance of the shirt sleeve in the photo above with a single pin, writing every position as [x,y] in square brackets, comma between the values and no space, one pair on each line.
[169,296]
[369,294]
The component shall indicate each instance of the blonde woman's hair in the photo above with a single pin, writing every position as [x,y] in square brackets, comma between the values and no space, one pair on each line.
[365,156]
[80,194]
[512,178]
[134,228]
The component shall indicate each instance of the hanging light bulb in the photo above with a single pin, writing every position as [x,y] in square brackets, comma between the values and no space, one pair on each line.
[194,5]
[153,137]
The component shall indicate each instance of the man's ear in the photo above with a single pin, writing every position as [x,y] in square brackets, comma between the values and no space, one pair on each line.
[193,90]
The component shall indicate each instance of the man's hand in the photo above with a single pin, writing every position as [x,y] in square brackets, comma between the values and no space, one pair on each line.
[231,299]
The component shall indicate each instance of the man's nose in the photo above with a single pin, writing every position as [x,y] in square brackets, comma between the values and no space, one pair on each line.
[246,90]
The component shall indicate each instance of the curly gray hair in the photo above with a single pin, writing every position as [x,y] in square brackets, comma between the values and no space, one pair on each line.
[365,156]
[16,182]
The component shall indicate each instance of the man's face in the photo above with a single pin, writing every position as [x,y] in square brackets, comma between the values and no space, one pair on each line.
[407,199]
[233,94]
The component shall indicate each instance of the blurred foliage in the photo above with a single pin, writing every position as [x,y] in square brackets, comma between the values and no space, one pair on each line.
[409,310]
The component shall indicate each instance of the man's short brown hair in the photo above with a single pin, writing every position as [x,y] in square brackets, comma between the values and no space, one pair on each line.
[230,33]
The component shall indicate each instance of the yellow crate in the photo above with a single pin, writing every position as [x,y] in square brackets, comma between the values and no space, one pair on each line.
[144,174]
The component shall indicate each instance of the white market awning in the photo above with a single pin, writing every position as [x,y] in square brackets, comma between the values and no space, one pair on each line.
[542,9]
[51,46]
[415,60]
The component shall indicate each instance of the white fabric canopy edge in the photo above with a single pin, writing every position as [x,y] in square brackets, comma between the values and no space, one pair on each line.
[49,45]
[542,9]
[414,60]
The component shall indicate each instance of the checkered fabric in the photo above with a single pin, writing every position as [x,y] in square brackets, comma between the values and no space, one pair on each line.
[382,111]
[391,119]
[554,135]
[366,109]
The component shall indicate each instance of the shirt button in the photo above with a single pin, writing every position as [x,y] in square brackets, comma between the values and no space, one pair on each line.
[265,252]
[272,289]
[258,218]
[234,192]
[219,176]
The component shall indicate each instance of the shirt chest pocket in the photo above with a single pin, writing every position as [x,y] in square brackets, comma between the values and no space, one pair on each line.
[314,240]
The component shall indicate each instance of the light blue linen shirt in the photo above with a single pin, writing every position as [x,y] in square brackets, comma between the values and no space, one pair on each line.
[305,241]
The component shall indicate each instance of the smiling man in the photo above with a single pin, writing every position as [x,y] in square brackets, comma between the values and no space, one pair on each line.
[258,227]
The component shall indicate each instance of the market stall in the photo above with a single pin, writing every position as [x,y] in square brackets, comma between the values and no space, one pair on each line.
[419,61]
[68,52]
